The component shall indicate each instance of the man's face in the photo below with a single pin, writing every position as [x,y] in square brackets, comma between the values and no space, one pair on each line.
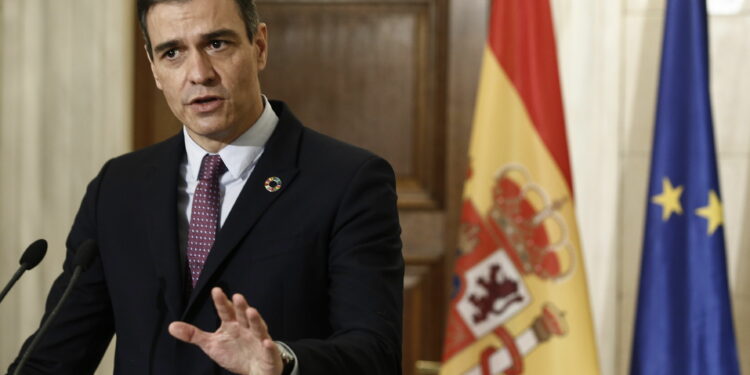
[207,68]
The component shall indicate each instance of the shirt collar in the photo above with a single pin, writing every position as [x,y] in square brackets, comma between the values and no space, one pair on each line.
[239,155]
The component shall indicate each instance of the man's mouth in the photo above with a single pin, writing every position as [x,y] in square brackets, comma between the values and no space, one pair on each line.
[204,99]
[205,104]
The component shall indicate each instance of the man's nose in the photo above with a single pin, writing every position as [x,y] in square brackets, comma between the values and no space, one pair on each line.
[201,70]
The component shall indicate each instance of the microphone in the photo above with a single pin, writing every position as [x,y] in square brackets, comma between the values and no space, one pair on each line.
[82,259]
[30,258]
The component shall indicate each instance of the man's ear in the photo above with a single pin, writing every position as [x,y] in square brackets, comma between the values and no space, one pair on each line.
[260,41]
[153,69]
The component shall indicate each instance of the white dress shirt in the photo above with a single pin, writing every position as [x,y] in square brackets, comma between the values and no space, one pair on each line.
[240,158]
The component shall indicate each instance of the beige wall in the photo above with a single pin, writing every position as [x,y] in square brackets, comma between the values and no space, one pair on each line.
[588,34]
[609,54]
[64,109]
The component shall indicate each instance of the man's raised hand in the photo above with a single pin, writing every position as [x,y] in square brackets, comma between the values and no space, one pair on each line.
[241,344]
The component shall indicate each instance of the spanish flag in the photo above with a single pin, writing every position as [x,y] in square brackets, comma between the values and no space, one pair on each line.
[519,303]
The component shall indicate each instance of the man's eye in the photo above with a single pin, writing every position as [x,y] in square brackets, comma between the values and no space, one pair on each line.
[217,44]
[171,54]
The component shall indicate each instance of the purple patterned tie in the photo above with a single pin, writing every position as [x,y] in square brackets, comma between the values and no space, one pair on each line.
[204,220]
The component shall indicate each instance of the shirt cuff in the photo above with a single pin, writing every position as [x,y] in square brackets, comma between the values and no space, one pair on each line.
[295,369]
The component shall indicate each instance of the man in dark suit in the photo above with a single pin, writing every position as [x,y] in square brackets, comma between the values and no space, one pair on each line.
[299,229]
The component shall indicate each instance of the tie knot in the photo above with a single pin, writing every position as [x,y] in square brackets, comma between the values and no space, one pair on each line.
[212,167]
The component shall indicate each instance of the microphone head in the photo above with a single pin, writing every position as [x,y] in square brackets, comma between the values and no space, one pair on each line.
[85,254]
[33,254]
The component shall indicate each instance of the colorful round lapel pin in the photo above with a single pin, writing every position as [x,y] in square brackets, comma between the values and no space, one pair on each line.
[273,184]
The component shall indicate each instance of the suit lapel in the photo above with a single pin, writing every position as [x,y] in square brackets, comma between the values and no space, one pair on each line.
[161,203]
[279,159]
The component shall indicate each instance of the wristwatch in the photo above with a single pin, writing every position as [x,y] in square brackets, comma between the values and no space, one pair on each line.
[287,358]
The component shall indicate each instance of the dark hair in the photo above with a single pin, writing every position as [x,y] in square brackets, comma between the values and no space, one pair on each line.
[247,10]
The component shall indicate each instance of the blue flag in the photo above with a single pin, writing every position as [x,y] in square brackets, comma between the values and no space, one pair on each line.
[684,317]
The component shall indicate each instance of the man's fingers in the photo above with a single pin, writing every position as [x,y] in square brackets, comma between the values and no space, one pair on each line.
[240,305]
[188,333]
[223,305]
[256,323]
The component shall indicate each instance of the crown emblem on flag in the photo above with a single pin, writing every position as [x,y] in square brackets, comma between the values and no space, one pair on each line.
[521,234]
[525,220]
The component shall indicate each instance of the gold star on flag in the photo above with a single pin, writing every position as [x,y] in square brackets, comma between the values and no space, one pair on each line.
[669,199]
[714,213]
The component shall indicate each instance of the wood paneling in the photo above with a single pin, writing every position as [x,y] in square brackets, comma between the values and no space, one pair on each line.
[423,322]
[415,304]
[366,73]
[153,121]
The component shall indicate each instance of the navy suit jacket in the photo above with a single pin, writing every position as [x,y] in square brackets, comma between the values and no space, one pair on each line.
[320,259]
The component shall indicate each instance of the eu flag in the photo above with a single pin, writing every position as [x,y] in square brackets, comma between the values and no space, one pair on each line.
[684,317]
